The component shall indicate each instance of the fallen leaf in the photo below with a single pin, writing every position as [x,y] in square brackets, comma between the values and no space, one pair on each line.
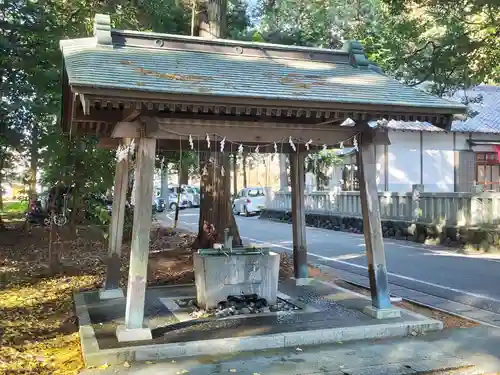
[126,364]
[104,366]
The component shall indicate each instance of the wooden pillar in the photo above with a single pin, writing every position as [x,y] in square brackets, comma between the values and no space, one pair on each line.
[374,242]
[133,329]
[112,284]
[297,174]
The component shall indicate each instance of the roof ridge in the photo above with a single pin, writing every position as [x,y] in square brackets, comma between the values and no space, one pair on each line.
[215,52]
[227,42]
[106,36]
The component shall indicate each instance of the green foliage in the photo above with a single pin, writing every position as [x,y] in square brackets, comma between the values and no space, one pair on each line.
[319,163]
[321,23]
[448,44]
[30,71]
[77,162]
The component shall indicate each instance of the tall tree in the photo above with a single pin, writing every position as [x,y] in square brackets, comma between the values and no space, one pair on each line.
[447,45]
[216,213]
[451,45]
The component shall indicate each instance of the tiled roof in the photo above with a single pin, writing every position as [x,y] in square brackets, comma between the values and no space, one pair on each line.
[484,100]
[183,70]
[408,126]
[487,119]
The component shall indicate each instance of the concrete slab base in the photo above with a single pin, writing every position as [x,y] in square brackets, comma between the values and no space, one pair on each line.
[382,313]
[303,281]
[322,320]
[111,293]
[136,334]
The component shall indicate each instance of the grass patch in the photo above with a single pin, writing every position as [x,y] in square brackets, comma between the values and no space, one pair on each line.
[15,208]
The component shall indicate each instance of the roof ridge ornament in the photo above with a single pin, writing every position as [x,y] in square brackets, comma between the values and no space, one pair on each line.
[102,30]
[357,55]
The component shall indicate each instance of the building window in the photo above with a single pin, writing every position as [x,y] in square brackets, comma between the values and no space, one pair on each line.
[488,170]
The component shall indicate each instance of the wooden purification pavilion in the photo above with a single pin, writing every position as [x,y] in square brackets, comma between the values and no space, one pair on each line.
[164,90]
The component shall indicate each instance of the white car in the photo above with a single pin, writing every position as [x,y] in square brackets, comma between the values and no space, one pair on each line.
[190,193]
[249,201]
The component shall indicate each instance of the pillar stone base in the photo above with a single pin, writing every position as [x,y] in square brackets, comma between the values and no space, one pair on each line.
[135,334]
[303,281]
[389,313]
[111,293]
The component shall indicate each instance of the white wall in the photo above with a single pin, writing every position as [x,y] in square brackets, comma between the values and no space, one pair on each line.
[403,161]
[438,159]
[438,162]
[437,172]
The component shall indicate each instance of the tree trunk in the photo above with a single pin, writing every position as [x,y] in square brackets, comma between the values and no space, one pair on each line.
[244,166]
[319,182]
[235,174]
[54,242]
[2,225]
[76,192]
[283,173]
[164,185]
[215,207]
[212,19]
[183,175]
[1,179]
[33,160]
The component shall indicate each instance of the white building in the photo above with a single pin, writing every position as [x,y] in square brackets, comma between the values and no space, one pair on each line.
[442,161]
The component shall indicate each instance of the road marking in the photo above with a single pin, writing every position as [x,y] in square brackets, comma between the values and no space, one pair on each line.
[475,295]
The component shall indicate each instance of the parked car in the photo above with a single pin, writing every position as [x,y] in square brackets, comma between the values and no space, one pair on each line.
[249,201]
[189,193]
[172,202]
[160,204]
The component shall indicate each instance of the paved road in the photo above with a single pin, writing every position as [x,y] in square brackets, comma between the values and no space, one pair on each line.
[437,271]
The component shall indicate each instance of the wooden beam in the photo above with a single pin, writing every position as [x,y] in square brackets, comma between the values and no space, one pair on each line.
[130,114]
[85,104]
[113,274]
[374,242]
[244,132]
[139,251]
[297,174]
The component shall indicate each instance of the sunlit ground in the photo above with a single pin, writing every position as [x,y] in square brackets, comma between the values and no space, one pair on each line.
[38,326]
